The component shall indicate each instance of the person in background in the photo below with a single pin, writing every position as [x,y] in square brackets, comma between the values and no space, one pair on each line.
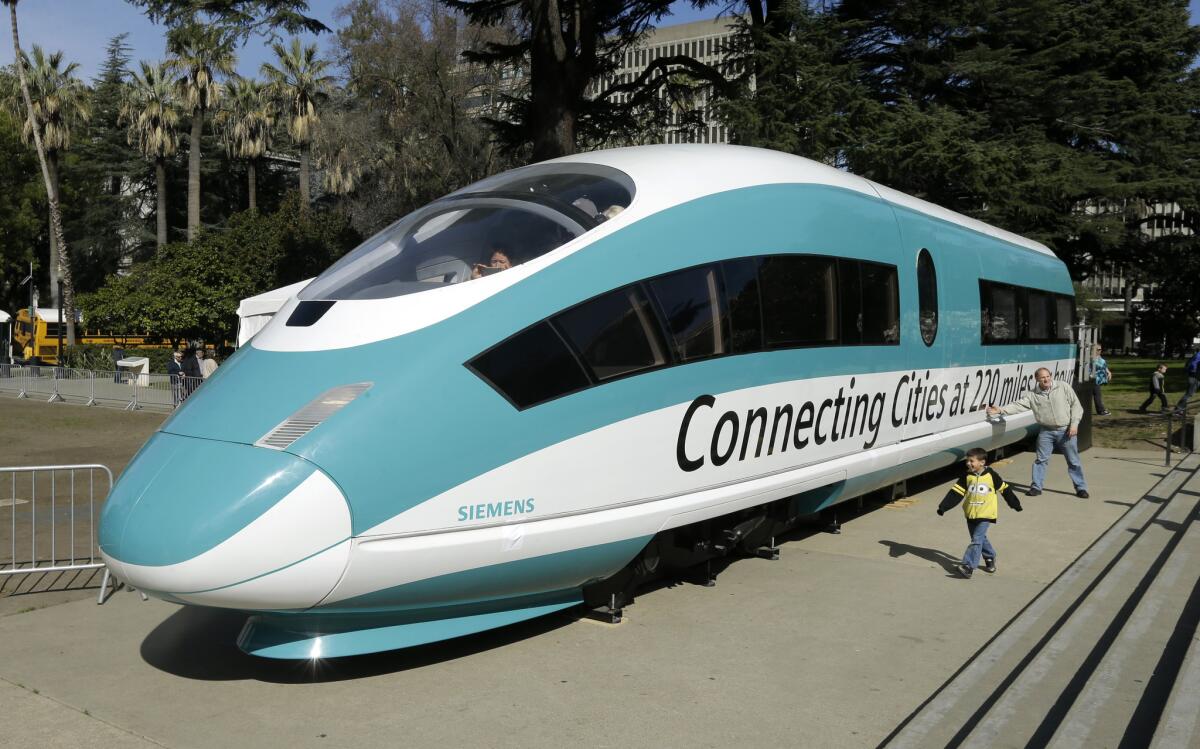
[499,261]
[1158,389]
[191,372]
[1193,376]
[208,364]
[118,354]
[175,372]
[1101,376]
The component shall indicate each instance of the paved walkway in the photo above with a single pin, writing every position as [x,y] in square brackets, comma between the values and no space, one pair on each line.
[840,642]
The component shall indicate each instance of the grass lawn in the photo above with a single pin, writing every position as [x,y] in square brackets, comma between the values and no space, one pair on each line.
[1127,428]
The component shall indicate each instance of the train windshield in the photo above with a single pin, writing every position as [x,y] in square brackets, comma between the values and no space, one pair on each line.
[484,229]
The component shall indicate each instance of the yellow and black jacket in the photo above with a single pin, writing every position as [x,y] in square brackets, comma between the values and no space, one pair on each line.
[980,491]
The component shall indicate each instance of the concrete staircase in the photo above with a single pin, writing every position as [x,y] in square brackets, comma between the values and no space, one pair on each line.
[1106,656]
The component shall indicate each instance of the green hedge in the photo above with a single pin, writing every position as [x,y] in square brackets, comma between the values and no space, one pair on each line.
[99,358]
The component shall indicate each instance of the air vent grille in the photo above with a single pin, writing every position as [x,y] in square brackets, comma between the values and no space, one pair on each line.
[310,416]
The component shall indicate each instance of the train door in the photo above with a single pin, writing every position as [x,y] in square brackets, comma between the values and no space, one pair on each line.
[929,379]
[917,398]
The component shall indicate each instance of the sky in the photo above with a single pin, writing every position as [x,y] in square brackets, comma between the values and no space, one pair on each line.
[82,29]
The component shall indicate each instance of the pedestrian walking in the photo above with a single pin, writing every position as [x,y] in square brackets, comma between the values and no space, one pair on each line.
[977,491]
[1192,375]
[1101,376]
[1058,412]
[1158,389]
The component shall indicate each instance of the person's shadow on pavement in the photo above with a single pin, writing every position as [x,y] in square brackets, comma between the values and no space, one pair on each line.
[897,550]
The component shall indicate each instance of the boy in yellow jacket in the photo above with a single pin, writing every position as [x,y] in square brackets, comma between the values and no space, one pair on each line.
[979,487]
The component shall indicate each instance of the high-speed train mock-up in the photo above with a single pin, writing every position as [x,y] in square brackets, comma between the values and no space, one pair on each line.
[554,381]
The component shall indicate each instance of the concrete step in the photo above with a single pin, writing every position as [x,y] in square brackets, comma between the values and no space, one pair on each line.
[1179,724]
[1086,645]
[1114,698]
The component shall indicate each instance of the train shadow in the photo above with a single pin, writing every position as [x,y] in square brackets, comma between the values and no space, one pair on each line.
[200,644]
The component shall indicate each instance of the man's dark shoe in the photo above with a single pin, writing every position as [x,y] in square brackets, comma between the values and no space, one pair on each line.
[1032,491]
[1105,413]
[963,570]
[989,565]
[1082,493]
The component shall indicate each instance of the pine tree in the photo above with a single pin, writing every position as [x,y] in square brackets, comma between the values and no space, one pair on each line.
[101,221]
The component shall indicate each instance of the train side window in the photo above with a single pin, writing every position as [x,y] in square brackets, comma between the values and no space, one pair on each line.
[531,367]
[880,303]
[1000,321]
[615,334]
[745,307]
[1040,316]
[691,304]
[927,296]
[1065,318]
[851,302]
[799,300]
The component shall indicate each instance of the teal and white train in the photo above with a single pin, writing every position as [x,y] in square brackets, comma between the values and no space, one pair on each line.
[694,345]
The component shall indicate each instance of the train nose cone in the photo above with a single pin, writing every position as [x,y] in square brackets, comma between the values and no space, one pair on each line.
[225,524]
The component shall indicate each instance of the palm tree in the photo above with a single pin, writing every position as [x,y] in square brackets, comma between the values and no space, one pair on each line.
[247,119]
[300,82]
[58,102]
[341,172]
[198,55]
[151,109]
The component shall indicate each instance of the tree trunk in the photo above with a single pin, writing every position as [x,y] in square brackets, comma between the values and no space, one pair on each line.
[52,167]
[305,153]
[160,174]
[193,219]
[251,180]
[1130,286]
[51,194]
[551,68]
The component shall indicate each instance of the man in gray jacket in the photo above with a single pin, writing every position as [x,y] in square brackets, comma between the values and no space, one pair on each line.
[1058,412]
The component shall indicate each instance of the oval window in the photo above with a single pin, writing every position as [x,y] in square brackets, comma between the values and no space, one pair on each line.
[927,297]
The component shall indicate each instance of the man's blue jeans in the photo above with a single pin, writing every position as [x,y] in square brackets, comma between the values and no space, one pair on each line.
[1047,440]
[979,543]
[1193,382]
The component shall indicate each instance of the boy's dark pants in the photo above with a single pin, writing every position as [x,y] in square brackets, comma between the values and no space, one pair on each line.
[979,543]
[1162,398]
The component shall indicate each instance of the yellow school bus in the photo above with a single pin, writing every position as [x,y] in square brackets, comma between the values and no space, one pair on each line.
[40,337]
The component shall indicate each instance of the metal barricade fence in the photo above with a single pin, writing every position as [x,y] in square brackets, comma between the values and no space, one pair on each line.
[12,380]
[131,391]
[52,513]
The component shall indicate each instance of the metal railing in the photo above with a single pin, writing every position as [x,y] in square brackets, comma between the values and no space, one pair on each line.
[128,390]
[51,519]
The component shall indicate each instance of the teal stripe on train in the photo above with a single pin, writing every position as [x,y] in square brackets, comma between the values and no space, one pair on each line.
[433,424]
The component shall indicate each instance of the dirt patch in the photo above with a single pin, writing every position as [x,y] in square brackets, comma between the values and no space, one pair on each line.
[34,433]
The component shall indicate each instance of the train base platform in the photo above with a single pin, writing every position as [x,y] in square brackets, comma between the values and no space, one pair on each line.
[1085,636]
